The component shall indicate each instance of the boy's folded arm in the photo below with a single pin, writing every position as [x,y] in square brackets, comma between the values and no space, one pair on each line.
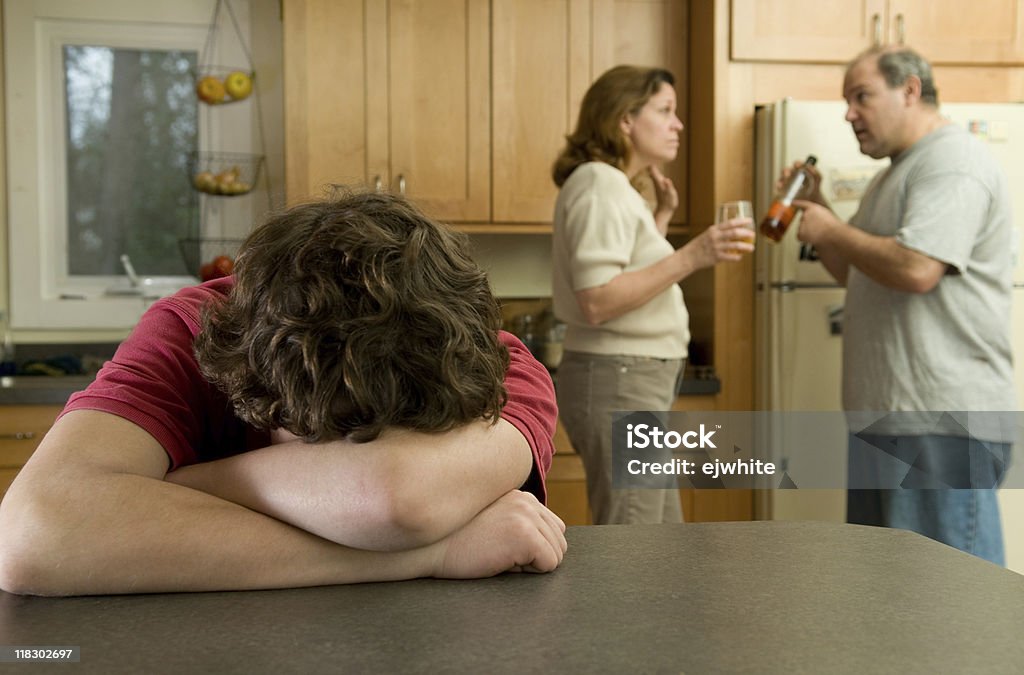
[402,490]
[90,514]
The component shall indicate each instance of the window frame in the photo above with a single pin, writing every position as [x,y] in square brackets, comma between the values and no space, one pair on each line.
[42,295]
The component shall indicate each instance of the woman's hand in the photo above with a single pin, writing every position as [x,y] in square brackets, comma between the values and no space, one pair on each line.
[666,195]
[722,242]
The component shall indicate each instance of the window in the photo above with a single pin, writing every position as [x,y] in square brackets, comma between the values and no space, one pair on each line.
[131,113]
[102,120]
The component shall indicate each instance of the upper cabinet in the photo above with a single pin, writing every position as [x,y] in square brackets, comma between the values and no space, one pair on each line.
[461,104]
[541,52]
[954,31]
[944,31]
[545,55]
[392,95]
[649,33]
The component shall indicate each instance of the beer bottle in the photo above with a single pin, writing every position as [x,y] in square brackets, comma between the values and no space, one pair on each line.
[780,213]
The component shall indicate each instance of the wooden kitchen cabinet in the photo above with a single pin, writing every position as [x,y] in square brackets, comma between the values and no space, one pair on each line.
[541,71]
[21,429]
[545,55]
[944,31]
[400,94]
[567,487]
[567,482]
[957,32]
[390,94]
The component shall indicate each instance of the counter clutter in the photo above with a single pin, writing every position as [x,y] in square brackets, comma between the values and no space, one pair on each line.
[41,390]
[47,374]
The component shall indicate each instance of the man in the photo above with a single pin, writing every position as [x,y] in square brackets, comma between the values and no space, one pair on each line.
[343,410]
[927,265]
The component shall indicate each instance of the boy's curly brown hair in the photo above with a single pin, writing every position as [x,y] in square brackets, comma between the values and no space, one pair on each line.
[355,314]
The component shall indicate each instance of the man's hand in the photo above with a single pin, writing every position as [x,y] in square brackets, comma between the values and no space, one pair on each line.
[817,223]
[815,195]
[514,534]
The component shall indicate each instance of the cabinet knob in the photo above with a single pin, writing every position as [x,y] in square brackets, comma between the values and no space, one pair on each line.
[876,28]
[401,183]
[18,436]
[901,29]
[378,184]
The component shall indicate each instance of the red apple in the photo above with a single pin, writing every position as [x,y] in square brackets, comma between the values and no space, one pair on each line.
[224,265]
[207,271]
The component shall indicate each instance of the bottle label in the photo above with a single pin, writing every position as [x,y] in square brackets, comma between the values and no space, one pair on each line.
[793,188]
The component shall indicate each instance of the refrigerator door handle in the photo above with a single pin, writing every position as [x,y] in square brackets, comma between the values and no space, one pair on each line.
[835,320]
[790,286]
[808,253]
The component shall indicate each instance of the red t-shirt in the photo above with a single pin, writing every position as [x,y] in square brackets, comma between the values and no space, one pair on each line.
[154,381]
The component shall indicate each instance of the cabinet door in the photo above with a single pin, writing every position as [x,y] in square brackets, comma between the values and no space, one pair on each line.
[647,33]
[392,95]
[545,55]
[541,66]
[950,31]
[806,30]
[21,429]
[439,115]
[326,111]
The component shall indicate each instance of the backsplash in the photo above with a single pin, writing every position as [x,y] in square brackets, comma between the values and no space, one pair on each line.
[518,265]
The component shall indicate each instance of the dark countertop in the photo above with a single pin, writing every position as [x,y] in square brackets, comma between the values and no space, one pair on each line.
[704,386]
[40,390]
[762,597]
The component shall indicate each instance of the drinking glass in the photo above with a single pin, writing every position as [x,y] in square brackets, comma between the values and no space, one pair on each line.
[738,209]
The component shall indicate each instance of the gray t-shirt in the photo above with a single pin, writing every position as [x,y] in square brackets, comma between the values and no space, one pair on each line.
[948,349]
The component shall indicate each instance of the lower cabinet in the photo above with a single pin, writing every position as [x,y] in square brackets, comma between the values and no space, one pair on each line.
[567,483]
[567,487]
[21,429]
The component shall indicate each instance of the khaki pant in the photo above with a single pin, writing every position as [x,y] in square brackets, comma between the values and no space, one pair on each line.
[592,386]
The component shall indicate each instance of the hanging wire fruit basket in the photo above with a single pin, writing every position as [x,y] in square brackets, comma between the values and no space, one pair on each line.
[225,174]
[216,85]
[209,257]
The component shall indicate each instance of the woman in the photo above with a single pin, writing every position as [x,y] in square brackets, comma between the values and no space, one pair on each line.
[616,277]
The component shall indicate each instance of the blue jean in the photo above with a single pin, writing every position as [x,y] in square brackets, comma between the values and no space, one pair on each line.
[911,468]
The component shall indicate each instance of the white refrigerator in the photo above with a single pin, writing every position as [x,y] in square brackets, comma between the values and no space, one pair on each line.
[798,311]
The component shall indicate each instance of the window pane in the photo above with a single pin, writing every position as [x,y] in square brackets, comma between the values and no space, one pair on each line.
[132,121]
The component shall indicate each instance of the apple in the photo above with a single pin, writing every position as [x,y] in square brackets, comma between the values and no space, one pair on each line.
[237,187]
[224,265]
[221,266]
[207,272]
[238,85]
[205,182]
[225,180]
[210,90]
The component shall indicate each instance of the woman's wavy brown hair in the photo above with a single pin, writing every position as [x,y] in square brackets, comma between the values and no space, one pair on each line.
[598,137]
[352,315]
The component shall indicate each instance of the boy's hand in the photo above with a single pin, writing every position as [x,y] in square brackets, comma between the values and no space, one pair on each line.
[514,534]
